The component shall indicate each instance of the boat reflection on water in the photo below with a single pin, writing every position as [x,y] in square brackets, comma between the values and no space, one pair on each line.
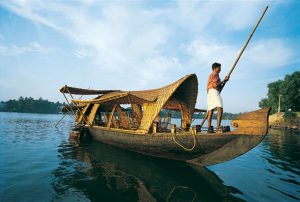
[100,172]
[282,152]
[284,146]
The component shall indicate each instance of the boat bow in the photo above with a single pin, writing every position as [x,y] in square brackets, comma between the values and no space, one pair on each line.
[251,130]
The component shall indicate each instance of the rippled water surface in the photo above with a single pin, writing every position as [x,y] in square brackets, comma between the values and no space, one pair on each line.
[38,162]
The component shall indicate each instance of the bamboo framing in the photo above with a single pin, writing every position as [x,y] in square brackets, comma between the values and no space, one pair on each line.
[180,95]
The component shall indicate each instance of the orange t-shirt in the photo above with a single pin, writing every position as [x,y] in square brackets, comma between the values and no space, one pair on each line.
[213,81]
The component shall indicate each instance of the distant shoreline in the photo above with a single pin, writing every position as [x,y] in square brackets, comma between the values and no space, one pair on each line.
[277,122]
[30,105]
[29,112]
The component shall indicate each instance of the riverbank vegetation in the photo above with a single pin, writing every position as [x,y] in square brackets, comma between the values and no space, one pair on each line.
[30,105]
[287,90]
[284,98]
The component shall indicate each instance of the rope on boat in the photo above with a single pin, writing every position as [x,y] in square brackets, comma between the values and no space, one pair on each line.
[60,120]
[183,147]
[83,116]
[173,136]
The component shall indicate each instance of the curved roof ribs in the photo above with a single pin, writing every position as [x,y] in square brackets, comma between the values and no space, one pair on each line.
[81,91]
[180,95]
[185,91]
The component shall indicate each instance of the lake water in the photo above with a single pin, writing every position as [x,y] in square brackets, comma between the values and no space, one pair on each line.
[38,162]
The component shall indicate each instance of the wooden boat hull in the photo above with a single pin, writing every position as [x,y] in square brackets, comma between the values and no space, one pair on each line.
[210,148]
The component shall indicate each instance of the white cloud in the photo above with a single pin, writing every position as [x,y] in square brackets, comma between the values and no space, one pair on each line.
[210,16]
[26,9]
[271,53]
[116,29]
[82,53]
[205,51]
[241,14]
[14,50]
[259,57]
[131,45]
[158,69]
[194,15]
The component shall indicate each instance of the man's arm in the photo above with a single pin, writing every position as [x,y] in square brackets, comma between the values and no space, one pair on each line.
[222,84]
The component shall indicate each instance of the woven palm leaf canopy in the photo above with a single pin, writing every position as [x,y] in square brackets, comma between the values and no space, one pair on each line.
[80,91]
[180,96]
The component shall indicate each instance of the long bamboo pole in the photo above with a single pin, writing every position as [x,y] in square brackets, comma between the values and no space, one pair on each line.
[243,49]
[239,56]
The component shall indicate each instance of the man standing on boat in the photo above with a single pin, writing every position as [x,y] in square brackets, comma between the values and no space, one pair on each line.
[214,99]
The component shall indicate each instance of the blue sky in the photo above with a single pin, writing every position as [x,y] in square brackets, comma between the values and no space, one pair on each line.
[136,45]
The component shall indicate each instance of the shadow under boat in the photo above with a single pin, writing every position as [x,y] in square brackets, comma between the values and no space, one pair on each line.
[99,172]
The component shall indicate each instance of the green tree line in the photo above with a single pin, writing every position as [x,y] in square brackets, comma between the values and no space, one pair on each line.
[30,105]
[289,92]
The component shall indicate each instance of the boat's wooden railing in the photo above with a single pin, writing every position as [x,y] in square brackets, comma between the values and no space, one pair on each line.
[252,123]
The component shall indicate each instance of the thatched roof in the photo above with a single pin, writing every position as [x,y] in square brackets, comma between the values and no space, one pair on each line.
[81,91]
[123,97]
[180,95]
